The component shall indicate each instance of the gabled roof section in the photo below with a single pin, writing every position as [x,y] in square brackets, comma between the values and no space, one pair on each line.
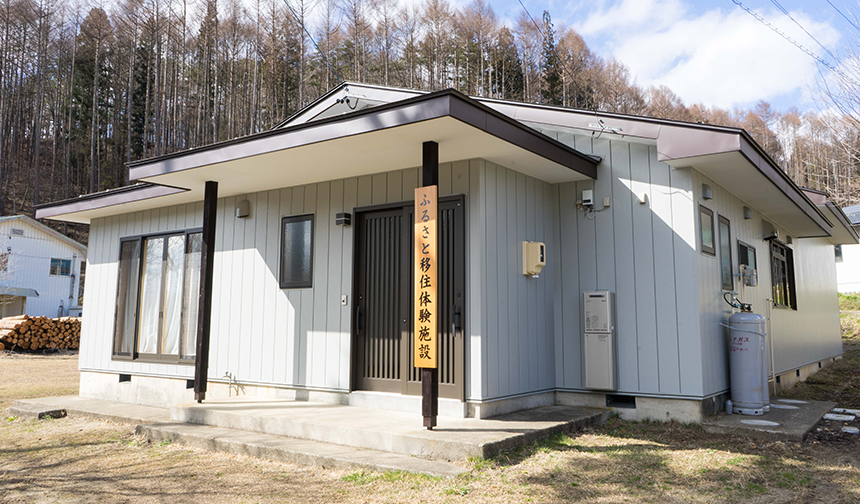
[45,229]
[364,142]
[361,97]
[729,156]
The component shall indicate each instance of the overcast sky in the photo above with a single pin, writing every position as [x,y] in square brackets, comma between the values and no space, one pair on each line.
[708,51]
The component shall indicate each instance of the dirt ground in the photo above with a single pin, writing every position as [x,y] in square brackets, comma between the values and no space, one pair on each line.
[73,460]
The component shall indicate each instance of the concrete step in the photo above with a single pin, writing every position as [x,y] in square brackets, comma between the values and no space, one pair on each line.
[296,451]
[388,431]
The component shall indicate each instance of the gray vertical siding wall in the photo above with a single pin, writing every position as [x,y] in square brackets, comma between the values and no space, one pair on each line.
[260,333]
[810,334]
[517,311]
[643,253]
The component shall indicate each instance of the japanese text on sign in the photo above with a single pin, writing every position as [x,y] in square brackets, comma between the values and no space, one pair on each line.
[425,299]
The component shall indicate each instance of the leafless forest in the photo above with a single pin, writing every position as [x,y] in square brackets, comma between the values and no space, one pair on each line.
[86,87]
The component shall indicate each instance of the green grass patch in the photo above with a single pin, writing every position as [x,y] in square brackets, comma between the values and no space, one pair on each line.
[360,477]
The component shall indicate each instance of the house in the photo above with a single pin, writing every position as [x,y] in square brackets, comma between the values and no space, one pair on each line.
[40,269]
[848,257]
[310,224]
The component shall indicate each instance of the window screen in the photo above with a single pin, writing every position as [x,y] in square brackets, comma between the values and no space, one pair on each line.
[706,226]
[726,277]
[297,252]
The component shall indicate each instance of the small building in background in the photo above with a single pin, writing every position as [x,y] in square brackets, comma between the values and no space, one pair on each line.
[848,257]
[40,270]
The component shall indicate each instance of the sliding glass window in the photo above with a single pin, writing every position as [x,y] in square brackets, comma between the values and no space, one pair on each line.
[158,285]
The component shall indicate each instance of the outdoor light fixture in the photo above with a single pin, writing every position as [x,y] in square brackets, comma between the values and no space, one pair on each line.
[706,192]
[343,219]
[243,209]
[747,213]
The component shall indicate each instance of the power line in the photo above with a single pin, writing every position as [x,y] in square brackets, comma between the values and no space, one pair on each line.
[852,23]
[786,37]
[302,24]
[784,11]
[554,51]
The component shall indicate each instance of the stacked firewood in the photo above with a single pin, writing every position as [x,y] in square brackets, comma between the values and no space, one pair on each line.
[36,333]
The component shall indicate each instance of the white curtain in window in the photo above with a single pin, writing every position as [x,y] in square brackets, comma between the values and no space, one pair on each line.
[150,296]
[191,299]
[173,294]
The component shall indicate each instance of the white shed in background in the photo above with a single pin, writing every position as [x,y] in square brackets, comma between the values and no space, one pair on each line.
[40,269]
[848,257]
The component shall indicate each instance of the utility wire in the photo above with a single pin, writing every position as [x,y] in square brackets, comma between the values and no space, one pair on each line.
[786,37]
[852,23]
[554,51]
[301,22]
[784,11]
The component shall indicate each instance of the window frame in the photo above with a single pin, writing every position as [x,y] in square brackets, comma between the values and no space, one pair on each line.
[731,285]
[60,262]
[837,253]
[134,355]
[748,248]
[296,285]
[712,250]
[788,283]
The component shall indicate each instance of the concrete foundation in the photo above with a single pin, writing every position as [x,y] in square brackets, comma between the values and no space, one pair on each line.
[790,379]
[161,392]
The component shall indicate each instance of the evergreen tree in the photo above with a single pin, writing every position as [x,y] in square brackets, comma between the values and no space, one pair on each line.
[551,91]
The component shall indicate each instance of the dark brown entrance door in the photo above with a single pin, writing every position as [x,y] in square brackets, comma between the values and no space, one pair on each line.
[382,316]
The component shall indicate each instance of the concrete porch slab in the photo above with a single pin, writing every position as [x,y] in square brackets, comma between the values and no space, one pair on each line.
[389,431]
[295,451]
[788,420]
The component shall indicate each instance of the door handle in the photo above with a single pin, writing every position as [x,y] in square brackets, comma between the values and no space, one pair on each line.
[358,320]
[455,320]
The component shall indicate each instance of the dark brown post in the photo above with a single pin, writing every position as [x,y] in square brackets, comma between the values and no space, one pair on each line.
[204,313]
[429,377]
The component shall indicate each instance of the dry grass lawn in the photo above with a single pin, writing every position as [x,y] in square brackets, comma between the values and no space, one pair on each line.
[73,460]
[25,376]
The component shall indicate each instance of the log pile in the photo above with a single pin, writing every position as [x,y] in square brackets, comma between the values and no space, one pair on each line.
[36,333]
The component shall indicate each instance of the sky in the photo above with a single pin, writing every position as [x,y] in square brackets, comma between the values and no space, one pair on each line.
[710,51]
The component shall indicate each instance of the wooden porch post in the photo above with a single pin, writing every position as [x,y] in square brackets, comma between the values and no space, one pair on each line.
[204,313]
[429,377]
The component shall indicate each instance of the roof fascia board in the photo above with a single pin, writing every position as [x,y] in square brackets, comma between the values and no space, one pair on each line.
[105,199]
[843,219]
[768,168]
[420,108]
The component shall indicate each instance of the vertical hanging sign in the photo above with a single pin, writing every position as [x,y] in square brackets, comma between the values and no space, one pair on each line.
[425,299]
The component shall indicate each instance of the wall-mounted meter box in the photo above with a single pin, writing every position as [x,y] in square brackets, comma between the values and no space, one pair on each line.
[588,197]
[599,358]
[534,258]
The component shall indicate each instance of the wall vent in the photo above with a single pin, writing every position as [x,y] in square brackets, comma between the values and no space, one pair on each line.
[17,232]
[620,401]
[189,384]
[124,378]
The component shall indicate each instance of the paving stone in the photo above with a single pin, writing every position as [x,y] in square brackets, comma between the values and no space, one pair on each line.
[838,418]
[850,430]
